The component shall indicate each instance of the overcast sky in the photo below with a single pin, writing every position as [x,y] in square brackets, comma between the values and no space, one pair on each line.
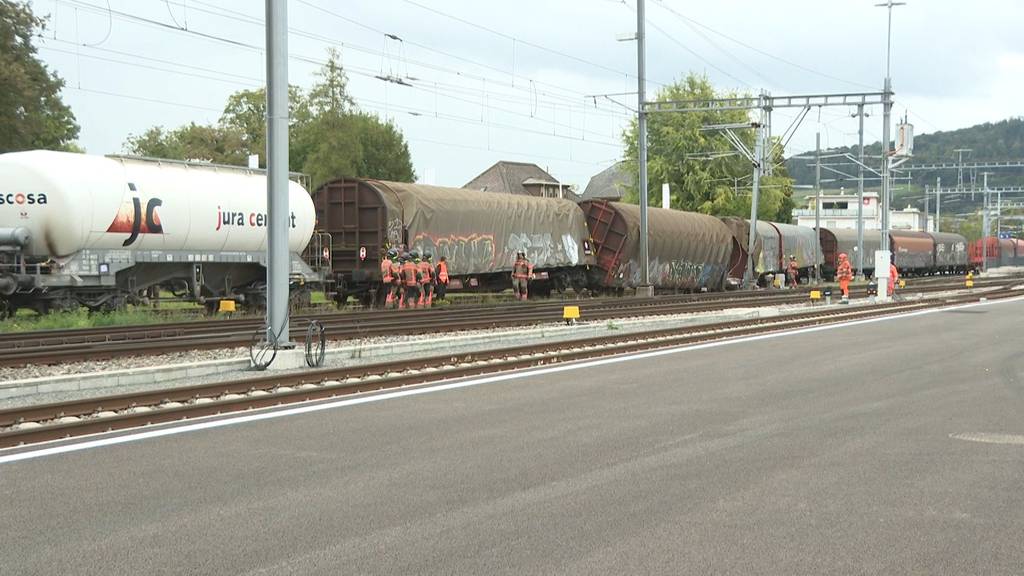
[508,80]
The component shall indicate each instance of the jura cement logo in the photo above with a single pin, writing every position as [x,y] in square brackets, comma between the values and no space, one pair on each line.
[22,199]
[131,220]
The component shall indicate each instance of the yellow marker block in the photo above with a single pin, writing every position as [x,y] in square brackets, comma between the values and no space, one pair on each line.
[226,306]
[570,313]
[903,283]
[970,283]
[815,294]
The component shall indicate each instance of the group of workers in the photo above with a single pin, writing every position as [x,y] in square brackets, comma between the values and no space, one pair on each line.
[844,274]
[411,281]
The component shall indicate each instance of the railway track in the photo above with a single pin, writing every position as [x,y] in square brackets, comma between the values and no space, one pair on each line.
[62,346]
[40,423]
[93,344]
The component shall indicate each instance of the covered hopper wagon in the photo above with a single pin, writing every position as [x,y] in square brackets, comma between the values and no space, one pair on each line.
[479,233]
[843,241]
[915,253]
[998,252]
[773,245]
[688,252]
[950,253]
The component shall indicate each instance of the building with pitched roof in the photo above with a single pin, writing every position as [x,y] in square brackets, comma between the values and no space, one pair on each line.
[519,178]
[609,184]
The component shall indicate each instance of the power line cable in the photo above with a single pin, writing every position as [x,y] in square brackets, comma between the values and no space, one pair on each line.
[519,40]
[232,14]
[764,53]
[691,51]
[141,20]
[721,49]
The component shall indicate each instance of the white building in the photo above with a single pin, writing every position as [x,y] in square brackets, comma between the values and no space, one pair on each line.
[839,212]
[910,219]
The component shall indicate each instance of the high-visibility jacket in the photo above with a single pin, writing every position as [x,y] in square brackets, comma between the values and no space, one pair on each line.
[409,274]
[385,271]
[426,272]
[522,269]
[442,272]
[396,272]
[844,271]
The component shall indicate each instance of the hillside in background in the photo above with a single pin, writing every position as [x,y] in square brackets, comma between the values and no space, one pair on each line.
[990,141]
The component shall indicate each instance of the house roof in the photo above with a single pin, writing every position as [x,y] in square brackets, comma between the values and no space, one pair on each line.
[609,184]
[509,177]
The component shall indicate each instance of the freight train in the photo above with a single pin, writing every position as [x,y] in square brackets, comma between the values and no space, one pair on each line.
[998,252]
[590,246]
[102,232]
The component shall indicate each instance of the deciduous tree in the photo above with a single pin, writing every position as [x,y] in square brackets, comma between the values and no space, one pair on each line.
[32,114]
[703,170]
[329,136]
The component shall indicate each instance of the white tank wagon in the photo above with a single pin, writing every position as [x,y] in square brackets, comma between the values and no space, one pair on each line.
[98,231]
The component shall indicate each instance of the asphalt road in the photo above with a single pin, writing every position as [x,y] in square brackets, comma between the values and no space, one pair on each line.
[817,453]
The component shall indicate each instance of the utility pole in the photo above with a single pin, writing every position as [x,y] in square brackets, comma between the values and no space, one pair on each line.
[960,170]
[755,196]
[278,258]
[999,212]
[860,193]
[927,208]
[938,204]
[645,288]
[817,208]
[984,227]
[882,268]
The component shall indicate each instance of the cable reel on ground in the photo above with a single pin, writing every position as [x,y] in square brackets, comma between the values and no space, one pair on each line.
[262,351]
[316,344]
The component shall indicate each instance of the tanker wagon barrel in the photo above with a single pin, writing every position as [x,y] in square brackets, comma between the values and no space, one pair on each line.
[16,237]
[105,231]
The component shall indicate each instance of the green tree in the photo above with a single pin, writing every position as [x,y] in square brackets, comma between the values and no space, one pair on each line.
[329,96]
[385,151]
[702,168]
[246,112]
[220,145]
[32,114]
[969,227]
[344,142]
[328,137]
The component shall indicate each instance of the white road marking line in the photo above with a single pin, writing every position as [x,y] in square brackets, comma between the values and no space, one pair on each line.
[320,405]
[990,438]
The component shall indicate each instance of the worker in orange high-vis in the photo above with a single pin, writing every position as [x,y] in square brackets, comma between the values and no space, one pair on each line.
[396,279]
[426,281]
[387,280]
[410,281]
[894,277]
[844,273]
[793,272]
[442,277]
[522,273]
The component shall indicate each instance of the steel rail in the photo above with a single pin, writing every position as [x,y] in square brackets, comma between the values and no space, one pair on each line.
[94,344]
[33,424]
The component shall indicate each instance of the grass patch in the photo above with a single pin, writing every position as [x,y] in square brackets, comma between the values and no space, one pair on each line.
[27,321]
